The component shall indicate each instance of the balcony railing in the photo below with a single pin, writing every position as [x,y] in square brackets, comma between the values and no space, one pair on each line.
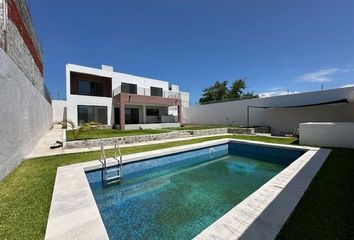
[146,92]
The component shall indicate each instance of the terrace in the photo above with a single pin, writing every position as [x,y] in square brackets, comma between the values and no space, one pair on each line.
[137,107]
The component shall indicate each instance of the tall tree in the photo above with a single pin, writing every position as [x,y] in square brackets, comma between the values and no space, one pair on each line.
[217,92]
[237,88]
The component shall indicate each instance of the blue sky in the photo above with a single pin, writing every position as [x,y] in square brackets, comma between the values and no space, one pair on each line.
[276,44]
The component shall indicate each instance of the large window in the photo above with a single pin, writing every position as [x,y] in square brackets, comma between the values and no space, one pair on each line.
[91,114]
[155,91]
[129,88]
[89,88]
[131,115]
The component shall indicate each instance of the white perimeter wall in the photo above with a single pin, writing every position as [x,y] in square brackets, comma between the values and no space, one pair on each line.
[280,120]
[329,134]
[59,110]
[25,115]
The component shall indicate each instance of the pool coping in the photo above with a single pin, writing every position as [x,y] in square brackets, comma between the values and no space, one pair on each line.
[74,214]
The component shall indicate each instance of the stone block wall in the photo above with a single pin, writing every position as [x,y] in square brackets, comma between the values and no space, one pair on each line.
[2,13]
[262,129]
[143,138]
[163,136]
[2,22]
[247,131]
[19,41]
[27,20]
[18,51]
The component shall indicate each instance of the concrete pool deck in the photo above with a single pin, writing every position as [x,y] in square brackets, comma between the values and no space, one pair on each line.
[74,213]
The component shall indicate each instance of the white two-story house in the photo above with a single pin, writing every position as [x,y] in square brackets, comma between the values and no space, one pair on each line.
[121,100]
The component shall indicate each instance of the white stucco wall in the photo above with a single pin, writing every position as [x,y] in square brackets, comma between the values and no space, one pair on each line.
[279,119]
[59,110]
[25,115]
[74,100]
[117,77]
[327,134]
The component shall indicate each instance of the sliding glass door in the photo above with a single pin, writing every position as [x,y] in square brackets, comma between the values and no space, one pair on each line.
[131,115]
[87,114]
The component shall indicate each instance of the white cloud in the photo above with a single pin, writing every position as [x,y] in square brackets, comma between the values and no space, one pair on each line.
[348,68]
[324,75]
[275,93]
[347,85]
[276,89]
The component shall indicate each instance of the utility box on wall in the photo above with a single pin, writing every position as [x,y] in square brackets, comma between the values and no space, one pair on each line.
[327,134]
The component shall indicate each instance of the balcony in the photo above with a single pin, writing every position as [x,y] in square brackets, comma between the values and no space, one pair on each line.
[146,92]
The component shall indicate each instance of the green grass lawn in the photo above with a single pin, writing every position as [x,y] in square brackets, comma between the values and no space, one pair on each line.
[25,194]
[326,210]
[107,133]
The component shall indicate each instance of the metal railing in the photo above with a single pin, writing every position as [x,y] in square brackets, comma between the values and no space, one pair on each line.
[146,92]
[117,168]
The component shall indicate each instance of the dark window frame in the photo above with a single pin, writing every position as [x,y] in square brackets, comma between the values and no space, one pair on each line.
[95,88]
[156,91]
[152,112]
[92,115]
[129,88]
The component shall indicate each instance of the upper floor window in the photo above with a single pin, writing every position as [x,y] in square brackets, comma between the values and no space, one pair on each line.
[129,88]
[83,87]
[89,88]
[90,85]
[155,91]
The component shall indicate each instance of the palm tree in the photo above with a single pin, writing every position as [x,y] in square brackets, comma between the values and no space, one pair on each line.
[237,88]
[84,127]
[87,127]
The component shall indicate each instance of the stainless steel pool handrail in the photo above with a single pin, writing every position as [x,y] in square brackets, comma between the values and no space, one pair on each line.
[118,166]
[103,156]
[120,160]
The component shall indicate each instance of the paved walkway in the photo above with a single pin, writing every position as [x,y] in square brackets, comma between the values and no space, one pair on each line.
[48,139]
[56,133]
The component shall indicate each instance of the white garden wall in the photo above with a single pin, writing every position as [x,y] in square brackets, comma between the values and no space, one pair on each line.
[327,134]
[59,110]
[279,119]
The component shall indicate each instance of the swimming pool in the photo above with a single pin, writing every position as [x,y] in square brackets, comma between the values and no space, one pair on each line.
[179,195]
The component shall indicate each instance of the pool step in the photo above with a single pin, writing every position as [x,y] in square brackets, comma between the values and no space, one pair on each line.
[112,174]
[113,169]
[113,179]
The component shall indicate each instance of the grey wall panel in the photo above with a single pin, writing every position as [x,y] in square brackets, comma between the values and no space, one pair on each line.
[25,115]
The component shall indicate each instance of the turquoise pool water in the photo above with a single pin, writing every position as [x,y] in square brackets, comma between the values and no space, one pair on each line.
[178,196]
